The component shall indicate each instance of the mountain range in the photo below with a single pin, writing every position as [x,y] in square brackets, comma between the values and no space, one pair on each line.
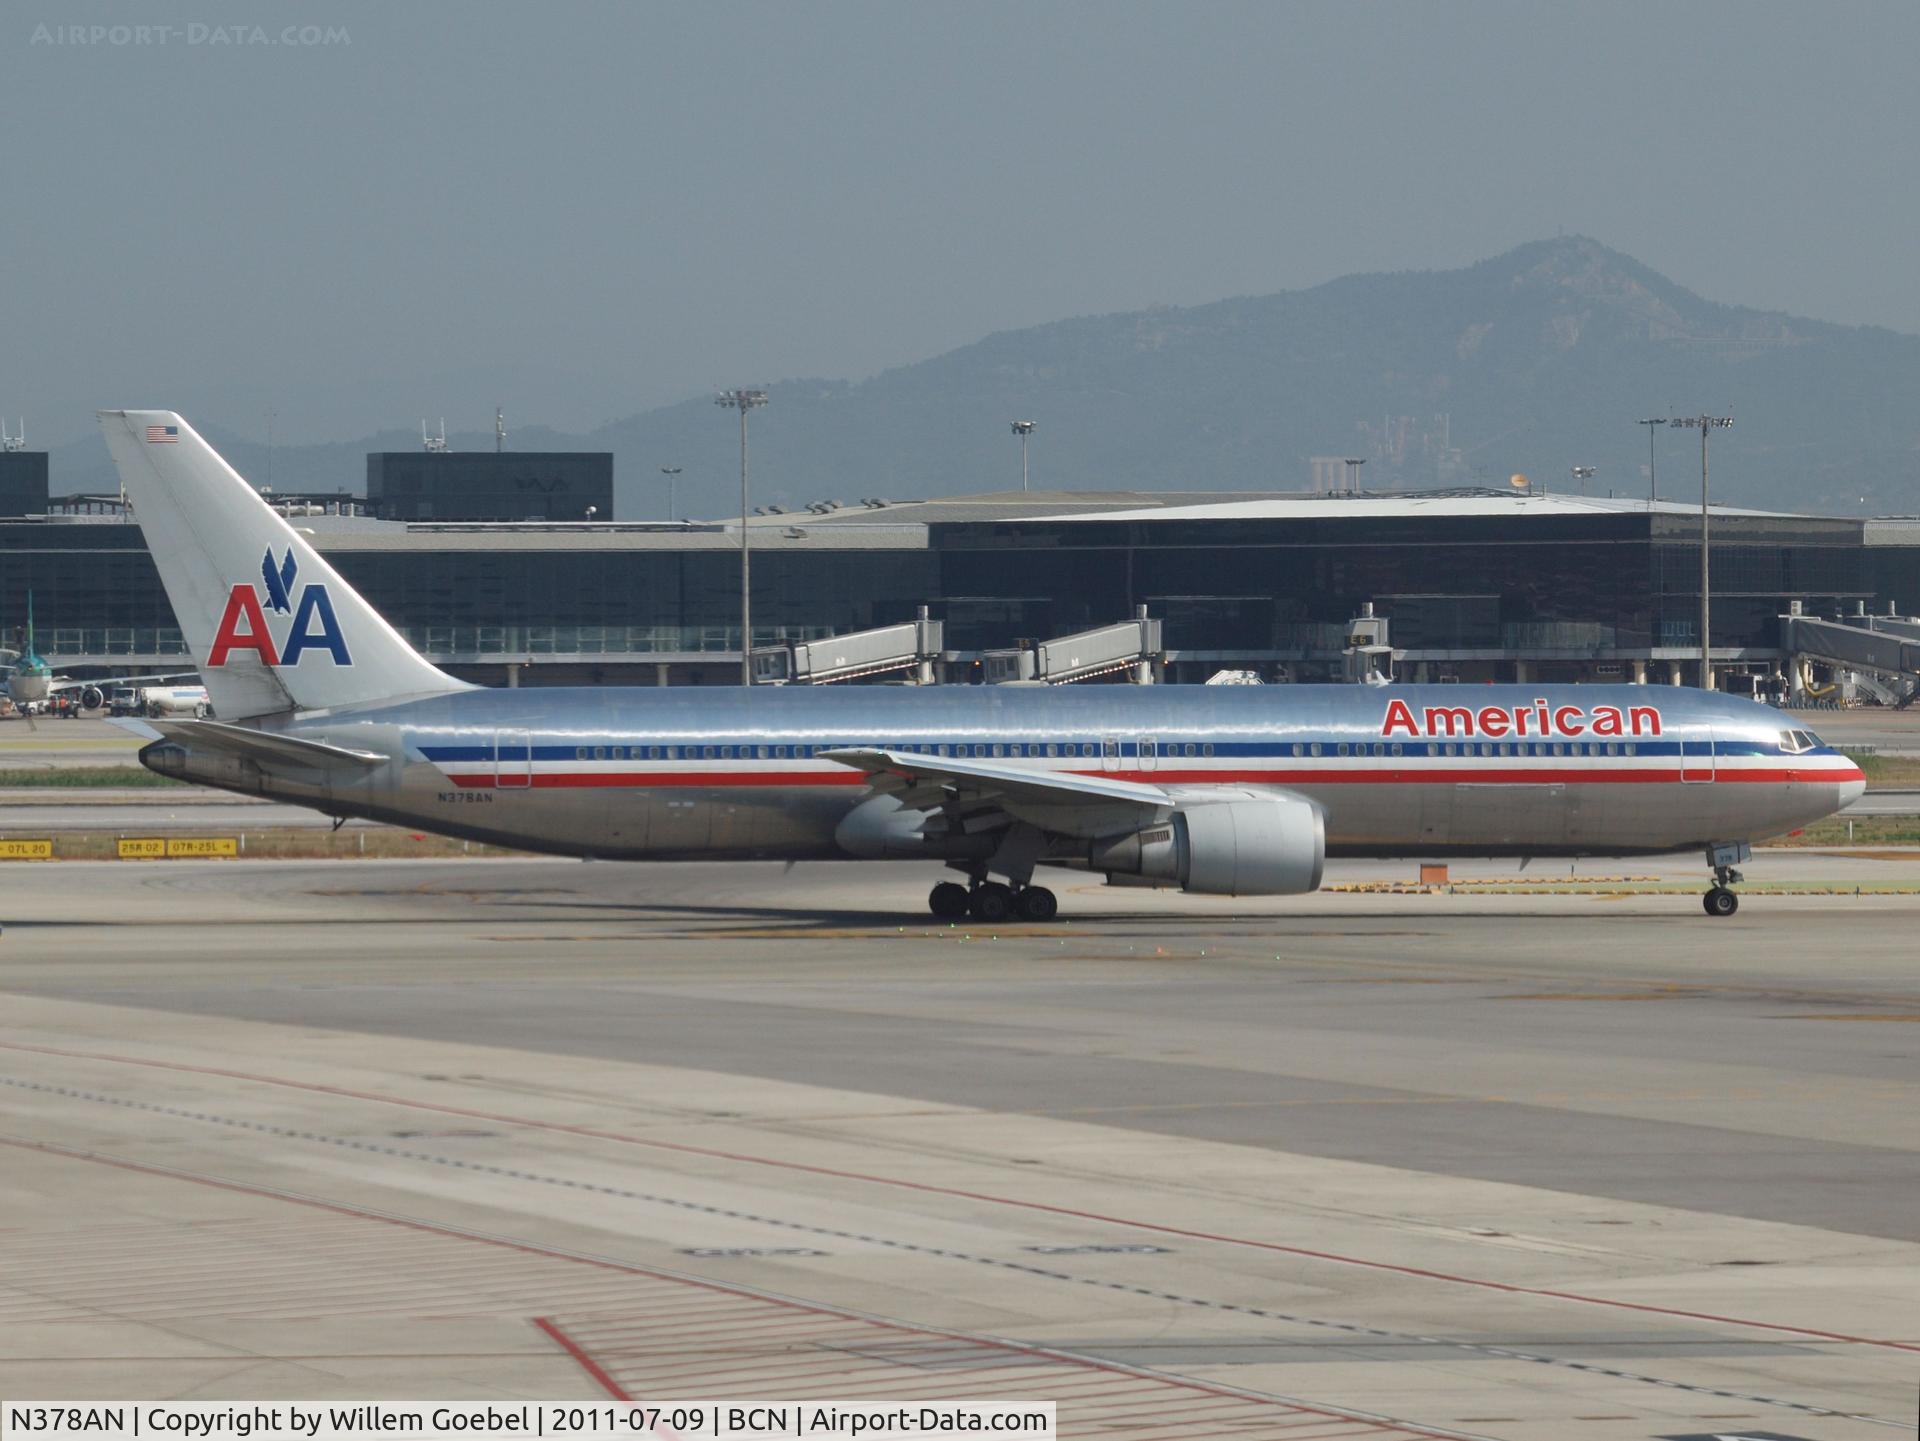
[1534,362]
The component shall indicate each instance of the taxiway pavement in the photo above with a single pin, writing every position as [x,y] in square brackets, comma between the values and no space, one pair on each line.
[1524,1167]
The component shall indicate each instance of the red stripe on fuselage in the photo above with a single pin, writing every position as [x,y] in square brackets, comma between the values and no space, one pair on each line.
[1501,775]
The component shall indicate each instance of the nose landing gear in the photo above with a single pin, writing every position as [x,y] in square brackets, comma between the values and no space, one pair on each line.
[1720,900]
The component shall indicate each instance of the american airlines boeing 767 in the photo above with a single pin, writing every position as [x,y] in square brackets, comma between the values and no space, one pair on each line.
[1223,790]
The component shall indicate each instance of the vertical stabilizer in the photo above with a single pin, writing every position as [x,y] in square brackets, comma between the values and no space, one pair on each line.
[271,625]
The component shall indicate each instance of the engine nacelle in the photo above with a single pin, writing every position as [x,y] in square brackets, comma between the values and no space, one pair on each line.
[1251,846]
[92,697]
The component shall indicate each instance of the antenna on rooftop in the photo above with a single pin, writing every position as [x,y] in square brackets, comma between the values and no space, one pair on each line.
[433,444]
[11,443]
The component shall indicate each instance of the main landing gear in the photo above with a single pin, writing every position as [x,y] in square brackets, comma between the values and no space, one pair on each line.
[991,901]
[1720,900]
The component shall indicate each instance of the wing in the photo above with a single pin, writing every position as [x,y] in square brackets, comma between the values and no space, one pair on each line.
[1064,802]
[109,682]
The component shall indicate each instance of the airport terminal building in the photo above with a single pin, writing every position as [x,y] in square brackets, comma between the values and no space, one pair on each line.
[482,573]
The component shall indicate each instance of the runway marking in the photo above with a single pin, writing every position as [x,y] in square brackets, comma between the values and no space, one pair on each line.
[1844,1018]
[875,1331]
[1670,993]
[988,1198]
[943,1253]
[587,1363]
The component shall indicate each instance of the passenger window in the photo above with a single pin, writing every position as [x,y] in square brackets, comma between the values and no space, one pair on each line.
[1052,749]
[1398,749]
[1343,748]
[580,753]
[1314,749]
[1207,749]
[1632,749]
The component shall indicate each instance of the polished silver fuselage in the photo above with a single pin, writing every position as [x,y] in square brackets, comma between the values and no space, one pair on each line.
[722,773]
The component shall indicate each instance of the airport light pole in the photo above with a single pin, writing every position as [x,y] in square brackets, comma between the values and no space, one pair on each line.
[744,401]
[1653,491]
[1581,475]
[671,472]
[1023,429]
[1353,465]
[1705,424]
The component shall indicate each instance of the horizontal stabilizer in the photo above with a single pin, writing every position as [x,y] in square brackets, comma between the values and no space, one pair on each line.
[209,737]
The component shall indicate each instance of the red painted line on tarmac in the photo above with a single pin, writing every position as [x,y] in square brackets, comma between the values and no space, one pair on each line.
[531,1248]
[592,1367]
[928,1188]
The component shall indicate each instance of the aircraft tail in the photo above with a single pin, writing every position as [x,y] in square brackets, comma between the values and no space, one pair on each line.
[271,625]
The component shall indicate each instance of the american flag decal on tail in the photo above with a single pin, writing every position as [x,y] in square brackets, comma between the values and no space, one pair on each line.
[163,435]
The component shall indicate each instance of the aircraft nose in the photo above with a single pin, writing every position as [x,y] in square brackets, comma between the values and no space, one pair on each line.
[1851,791]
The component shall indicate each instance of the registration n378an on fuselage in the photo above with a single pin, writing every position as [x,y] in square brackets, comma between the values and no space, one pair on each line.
[1227,790]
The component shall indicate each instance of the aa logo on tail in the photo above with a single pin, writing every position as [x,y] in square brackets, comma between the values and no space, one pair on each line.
[244,625]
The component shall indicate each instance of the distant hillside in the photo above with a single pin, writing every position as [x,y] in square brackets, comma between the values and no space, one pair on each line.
[1535,361]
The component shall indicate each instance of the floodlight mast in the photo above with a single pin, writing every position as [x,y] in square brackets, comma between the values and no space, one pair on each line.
[1353,464]
[1653,490]
[1705,424]
[670,472]
[744,401]
[1023,429]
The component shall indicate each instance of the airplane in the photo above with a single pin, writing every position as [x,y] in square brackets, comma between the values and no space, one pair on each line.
[31,682]
[1216,790]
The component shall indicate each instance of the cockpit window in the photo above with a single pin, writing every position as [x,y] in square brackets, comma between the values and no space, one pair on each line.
[1813,741]
[1794,742]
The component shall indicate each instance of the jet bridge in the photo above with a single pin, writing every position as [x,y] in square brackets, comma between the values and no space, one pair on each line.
[1885,646]
[912,645]
[1132,645]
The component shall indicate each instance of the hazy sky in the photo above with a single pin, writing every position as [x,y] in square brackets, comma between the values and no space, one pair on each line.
[587,210]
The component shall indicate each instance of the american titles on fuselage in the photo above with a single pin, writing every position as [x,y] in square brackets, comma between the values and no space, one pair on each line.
[1540,719]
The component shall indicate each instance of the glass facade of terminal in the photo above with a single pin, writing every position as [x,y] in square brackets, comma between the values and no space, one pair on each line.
[1579,585]
[1590,582]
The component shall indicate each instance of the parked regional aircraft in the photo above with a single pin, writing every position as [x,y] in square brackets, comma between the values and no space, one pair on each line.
[31,681]
[1222,790]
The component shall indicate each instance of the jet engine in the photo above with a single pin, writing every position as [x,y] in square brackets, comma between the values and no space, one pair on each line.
[92,697]
[1247,846]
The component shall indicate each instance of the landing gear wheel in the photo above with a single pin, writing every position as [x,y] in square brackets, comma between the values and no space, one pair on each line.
[1036,903]
[991,902]
[948,901]
[1720,902]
